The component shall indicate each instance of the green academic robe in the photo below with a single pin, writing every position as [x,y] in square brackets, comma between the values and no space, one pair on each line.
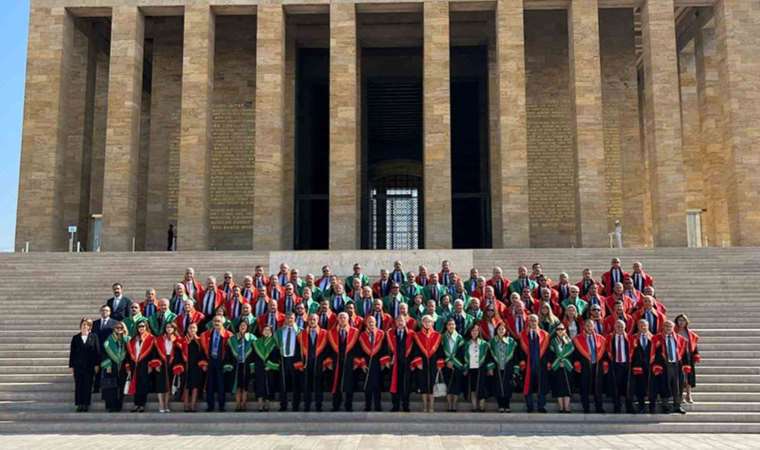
[157,330]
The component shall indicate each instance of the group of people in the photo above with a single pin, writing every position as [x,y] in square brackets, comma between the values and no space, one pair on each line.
[437,334]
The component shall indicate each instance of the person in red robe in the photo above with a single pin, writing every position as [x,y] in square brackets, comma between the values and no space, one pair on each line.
[210,300]
[372,343]
[618,313]
[313,345]
[260,280]
[692,355]
[287,303]
[142,360]
[642,378]
[214,346]
[430,361]
[534,343]
[499,283]
[273,318]
[616,274]
[343,339]
[400,341]
[668,365]
[648,312]
[235,302]
[639,278]
[586,282]
[618,295]
[592,365]
[193,287]
[619,355]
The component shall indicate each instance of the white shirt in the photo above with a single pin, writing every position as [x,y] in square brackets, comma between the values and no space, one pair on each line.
[452,345]
[84,338]
[474,355]
[168,346]
[572,329]
[116,301]
[138,347]
[620,354]
[291,345]
[190,288]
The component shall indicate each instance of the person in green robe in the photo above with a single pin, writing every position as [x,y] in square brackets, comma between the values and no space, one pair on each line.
[315,293]
[418,309]
[357,274]
[477,366]
[561,367]
[392,302]
[246,316]
[157,322]
[473,309]
[452,343]
[130,323]
[444,307]
[410,289]
[266,368]
[310,302]
[547,321]
[502,348]
[575,300]
[240,362]
[112,368]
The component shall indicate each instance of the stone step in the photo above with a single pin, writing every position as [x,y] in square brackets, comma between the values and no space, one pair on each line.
[35,370]
[726,370]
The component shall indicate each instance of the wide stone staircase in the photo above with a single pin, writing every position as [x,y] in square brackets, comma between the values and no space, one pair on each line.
[43,296]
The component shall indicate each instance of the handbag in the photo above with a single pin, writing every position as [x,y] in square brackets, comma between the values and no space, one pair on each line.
[108,382]
[439,388]
[127,383]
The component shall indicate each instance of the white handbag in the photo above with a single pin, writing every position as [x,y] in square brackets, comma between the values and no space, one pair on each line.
[439,388]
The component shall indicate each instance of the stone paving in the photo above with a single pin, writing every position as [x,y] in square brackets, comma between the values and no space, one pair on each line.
[283,442]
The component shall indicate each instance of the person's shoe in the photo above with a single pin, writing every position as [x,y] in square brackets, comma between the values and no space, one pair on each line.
[406,409]
[600,411]
[136,409]
[586,411]
[335,408]
[507,410]
[141,410]
[367,409]
[529,410]
[209,409]
[501,410]
[394,409]
[319,409]
[161,411]
[542,410]
[283,409]
[222,410]
[680,410]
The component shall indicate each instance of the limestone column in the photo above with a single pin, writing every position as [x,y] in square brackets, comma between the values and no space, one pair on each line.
[715,162]
[663,123]
[586,90]
[195,134]
[436,102]
[123,128]
[511,222]
[345,153]
[690,135]
[39,219]
[268,180]
[736,24]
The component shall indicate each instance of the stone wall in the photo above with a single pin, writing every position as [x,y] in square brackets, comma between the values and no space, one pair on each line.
[551,160]
[231,164]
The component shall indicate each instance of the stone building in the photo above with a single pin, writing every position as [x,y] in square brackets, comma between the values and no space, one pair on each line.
[287,124]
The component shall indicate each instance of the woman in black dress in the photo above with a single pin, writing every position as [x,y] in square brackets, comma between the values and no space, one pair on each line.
[452,343]
[169,352]
[266,372]
[112,368]
[431,361]
[476,368]
[84,362]
[195,378]
[240,359]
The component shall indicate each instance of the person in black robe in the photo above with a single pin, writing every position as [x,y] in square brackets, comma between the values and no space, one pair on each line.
[195,377]
[313,345]
[400,342]
[142,361]
[343,339]
[372,343]
[84,362]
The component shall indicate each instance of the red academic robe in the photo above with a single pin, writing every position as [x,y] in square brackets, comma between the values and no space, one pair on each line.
[197,287]
[219,300]
[581,345]
[145,352]
[377,288]
[333,337]
[580,286]
[502,284]
[255,303]
[646,278]
[205,340]
[612,299]
[485,330]
[499,306]
[543,345]
[610,320]
[509,319]
[610,346]
[195,317]
[607,280]
[263,321]
[263,280]
[659,317]
[658,344]
[229,306]
[280,291]
[391,337]
[281,302]
[305,344]
[387,321]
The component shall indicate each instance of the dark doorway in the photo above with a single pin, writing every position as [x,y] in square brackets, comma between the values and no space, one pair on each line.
[470,187]
[312,168]
[392,191]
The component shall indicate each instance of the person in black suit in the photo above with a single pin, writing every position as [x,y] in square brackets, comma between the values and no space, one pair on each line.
[102,328]
[84,360]
[119,304]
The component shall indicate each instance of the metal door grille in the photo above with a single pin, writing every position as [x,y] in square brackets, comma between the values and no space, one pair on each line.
[395,213]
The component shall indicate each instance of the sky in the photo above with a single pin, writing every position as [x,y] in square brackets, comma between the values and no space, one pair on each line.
[14,21]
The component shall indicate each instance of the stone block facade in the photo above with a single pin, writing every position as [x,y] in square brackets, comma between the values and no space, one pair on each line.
[144,114]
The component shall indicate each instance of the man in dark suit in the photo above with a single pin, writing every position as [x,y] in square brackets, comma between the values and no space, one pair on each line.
[102,328]
[119,304]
